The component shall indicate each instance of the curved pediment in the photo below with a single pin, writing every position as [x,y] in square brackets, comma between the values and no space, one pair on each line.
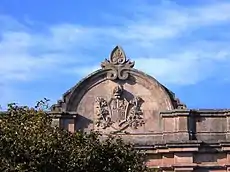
[134,108]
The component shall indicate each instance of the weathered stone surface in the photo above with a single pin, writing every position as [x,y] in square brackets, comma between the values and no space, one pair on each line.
[121,100]
[155,99]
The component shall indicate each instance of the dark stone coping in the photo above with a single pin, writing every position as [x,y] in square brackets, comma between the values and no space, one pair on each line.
[196,112]
[186,144]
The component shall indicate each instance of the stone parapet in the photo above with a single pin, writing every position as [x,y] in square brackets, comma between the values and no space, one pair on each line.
[190,156]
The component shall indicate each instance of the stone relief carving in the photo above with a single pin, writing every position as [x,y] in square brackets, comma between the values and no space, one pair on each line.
[118,113]
[118,65]
[102,113]
[179,105]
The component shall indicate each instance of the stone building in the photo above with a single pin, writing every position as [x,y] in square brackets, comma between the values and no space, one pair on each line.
[121,100]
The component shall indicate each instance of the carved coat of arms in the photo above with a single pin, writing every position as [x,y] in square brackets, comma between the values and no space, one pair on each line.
[118,112]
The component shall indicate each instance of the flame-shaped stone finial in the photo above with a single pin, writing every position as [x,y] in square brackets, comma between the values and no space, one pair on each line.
[117,65]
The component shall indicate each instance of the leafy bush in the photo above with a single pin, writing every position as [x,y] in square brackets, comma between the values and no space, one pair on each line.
[29,143]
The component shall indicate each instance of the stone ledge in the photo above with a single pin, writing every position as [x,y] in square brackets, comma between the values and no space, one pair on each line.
[190,166]
[196,112]
[186,146]
[66,115]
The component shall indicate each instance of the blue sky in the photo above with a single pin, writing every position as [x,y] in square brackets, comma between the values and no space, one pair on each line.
[46,47]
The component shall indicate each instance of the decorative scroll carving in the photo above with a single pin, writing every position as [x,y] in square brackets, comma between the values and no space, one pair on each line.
[179,105]
[119,113]
[102,113]
[58,107]
[136,113]
[118,65]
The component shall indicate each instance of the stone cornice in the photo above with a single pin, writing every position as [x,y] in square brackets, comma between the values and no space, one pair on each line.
[196,112]
[186,146]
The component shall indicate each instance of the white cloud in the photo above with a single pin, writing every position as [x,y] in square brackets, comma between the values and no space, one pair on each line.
[189,62]
[182,69]
[26,55]
[151,38]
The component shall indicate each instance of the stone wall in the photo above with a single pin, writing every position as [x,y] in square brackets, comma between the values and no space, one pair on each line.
[193,157]
[121,100]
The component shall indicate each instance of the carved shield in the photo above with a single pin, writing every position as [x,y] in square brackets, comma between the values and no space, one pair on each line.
[118,110]
[118,113]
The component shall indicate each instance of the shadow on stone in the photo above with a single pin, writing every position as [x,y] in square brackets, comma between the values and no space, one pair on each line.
[82,122]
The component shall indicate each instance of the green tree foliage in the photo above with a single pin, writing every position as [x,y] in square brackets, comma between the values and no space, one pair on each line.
[29,143]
